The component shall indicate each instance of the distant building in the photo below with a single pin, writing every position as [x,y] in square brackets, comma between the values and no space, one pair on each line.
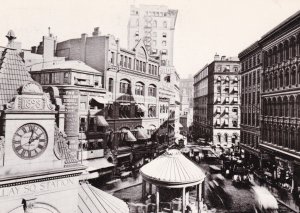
[131,80]
[155,26]
[251,72]
[186,104]
[220,81]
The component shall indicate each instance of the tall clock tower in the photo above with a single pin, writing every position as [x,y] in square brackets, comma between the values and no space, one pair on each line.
[37,173]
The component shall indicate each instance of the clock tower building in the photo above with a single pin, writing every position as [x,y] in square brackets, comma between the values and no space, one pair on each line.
[37,171]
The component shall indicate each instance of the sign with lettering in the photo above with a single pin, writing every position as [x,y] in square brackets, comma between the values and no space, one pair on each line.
[32,103]
[37,187]
[71,102]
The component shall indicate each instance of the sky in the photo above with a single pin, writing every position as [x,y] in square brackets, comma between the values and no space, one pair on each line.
[203,28]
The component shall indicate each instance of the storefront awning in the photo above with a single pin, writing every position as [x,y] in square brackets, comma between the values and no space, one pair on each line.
[129,137]
[92,199]
[97,164]
[180,125]
[101,121]
[123,155]
[100,100]
[141,108]
[142,134]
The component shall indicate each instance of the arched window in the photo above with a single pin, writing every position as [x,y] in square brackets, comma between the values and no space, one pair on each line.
[286,50]
[154,24]
[298,106]
[165,24]
[293,139]
[280,52]
[287,77]
[271,81]
[219,138]
[152,90]
[110,84]
[275,54]
[285,108]
[275,107]
[270,58]
[281,78]
[293,76]
[139,88]
[125,86]
[292,106]
[293,47]
[275,80]
[280,135]
[275,132]
[279,107]
[226,138]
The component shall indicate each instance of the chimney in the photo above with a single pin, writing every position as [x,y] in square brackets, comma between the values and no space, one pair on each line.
[11,41]
[82,46]
[33,49]
[223,58]
[217,57]
[96,32]
[48,48]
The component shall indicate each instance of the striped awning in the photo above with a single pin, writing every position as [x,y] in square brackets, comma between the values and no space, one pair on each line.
[100,100]
[129,137]
[93,200]
[142,134]
[101,121]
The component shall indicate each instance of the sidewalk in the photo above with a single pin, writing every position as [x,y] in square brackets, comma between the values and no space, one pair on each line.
[282,196]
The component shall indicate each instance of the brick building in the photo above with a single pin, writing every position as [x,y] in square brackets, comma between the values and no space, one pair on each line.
[223,109]
[251,71]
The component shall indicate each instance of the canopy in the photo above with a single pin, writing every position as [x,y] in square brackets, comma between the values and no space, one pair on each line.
[101,121]
[96,164]
[172,169]
[142,134]
[141,108]
[129,136]
[92,200]
[100,100]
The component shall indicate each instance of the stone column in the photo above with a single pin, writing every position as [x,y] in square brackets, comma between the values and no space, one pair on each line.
[157,199]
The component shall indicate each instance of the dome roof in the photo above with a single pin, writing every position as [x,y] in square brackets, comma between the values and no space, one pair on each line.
[172,169]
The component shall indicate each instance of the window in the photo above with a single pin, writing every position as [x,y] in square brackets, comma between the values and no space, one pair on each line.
[83,105]
[144,66]
[129,63]
[141,66]
[125,87]
[226,100]
[234,123]
[110,85]
[164,43]
[82,124]
[152,90]
[137,62]
[235,110]
[66,77]
[121,61]
[226,110]
[154,43]
[165,25]
[164,52]
[154,24]
[112,59]
[124,111]
[92,124]
[152,111]
[125,61]
[137,33]
[164,35]
[139,88]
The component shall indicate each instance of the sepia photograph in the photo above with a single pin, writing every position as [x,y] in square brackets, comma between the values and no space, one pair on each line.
[150,106]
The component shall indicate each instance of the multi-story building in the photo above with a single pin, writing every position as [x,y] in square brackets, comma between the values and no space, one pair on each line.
[281,101]
[131,79]
[200,121]
[155,26]
[223,109]
[251,70]
[186,104]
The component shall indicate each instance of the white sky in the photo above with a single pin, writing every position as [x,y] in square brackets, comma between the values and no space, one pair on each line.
[203,27]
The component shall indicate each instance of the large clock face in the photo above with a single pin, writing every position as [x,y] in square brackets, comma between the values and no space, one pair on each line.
[30,141]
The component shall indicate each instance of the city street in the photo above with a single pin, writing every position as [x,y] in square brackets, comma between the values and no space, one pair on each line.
[233,200]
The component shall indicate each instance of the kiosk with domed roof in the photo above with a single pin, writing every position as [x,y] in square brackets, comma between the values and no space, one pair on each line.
[173,176]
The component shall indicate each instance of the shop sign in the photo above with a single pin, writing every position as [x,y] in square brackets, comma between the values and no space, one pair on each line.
[36,188]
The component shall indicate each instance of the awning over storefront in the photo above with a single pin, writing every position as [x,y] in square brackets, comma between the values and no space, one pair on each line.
[142,134]
[93,200]
[100,100]
[141,108]
[129,137]
[180,125]
[97,164]
[123,155]
[101,121]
